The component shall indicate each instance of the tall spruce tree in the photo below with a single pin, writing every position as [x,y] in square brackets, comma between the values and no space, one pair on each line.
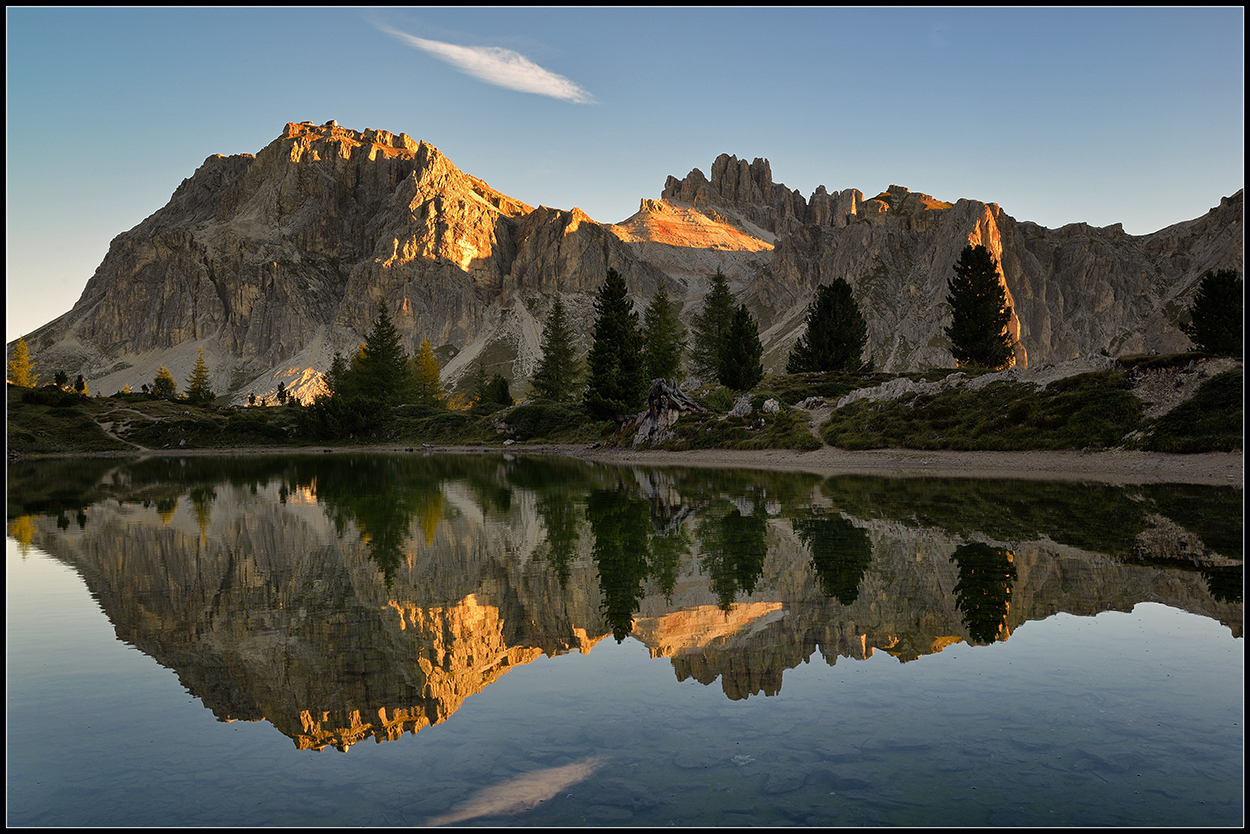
[558,371]
[836,333]
[979,310]
[741,367]
[1215,323]
[381,370]
[663,337]
[618,383]
[711,324]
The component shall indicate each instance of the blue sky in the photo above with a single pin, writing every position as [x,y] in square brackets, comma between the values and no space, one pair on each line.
[1132,116]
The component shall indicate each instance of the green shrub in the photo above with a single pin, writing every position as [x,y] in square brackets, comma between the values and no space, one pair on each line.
[719,400]
[543,419]
[53,396]
[788,429]
[1094,410]
[1210,421]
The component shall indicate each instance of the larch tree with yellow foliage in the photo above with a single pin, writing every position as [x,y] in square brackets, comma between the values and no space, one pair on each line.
[426,371]
[198,386]
[21,371]
[164,386]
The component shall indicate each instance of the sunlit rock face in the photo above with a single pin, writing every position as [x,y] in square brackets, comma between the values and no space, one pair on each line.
[271,263]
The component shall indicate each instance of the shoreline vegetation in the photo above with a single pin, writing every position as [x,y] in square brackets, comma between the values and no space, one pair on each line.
[1171,419]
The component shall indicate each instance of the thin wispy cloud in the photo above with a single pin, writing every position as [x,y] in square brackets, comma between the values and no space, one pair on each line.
[498,66]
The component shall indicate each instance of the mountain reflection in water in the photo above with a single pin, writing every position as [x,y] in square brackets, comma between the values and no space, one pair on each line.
[349,597]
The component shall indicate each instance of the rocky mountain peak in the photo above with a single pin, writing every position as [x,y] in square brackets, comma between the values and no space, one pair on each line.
[275,261]
[306,135]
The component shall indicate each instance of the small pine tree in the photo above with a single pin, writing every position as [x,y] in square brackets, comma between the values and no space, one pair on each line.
[336,378]
[61,379]
[836,333]
[198,390]
[498,392]
[663,337]
[164,385]
[1215,324]
[711,325]
[80,386]
[741,367]
[558,371]
[979,310]
[618,382]
[21,371]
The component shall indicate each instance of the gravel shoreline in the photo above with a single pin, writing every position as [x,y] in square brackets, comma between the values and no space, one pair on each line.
[1112,467]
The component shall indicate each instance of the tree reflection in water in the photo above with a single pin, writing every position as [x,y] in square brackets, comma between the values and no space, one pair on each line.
[841,552]
[734,549]
[621,524]
[736,574]
[986,575]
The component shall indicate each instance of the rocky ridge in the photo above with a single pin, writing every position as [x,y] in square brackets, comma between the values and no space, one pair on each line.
[273,262]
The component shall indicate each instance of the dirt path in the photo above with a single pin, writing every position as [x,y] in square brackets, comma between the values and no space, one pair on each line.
[111,427]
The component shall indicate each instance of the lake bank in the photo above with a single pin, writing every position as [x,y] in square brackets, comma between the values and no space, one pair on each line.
[1112,467]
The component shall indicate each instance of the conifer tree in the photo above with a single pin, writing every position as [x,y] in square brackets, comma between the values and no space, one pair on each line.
[381,370]
[336,377]
[21,371]
[480,383]
[980,314]
[663,337]
[617,377]
[61,379]
[1215,324]
[711,325]
[741,367]
[80,386]
[558,370]
[498,391]
[429,387]
[198,390]
[164,385]
[836,333]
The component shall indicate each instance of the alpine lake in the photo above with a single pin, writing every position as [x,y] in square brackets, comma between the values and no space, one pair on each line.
[400,639]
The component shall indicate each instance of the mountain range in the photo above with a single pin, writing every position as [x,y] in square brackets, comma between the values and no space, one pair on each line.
[273,262]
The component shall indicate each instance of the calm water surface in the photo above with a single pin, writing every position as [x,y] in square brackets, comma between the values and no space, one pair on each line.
[405,640]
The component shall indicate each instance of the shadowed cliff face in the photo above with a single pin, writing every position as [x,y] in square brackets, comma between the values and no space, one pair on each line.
[365,597]
[273,262]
